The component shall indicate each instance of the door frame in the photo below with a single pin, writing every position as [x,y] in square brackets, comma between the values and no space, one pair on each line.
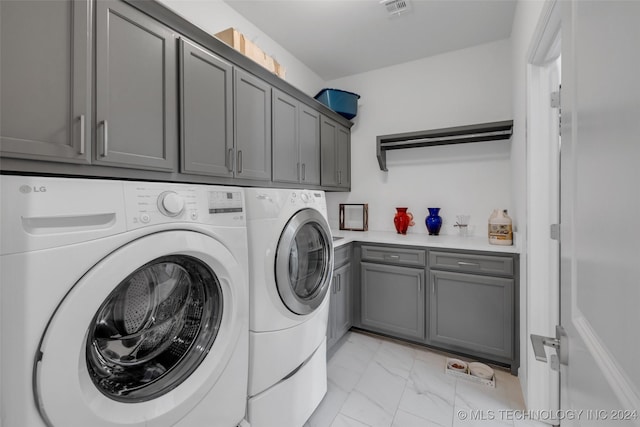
[542,151]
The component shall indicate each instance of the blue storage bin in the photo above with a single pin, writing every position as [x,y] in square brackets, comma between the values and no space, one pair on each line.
[342,102]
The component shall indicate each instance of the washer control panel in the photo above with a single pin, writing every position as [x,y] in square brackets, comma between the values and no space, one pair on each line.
[306,197]
[222,201]
[158,203]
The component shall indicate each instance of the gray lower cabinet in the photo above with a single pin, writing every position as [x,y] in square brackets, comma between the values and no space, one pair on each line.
[473,304]
[206,112]
[296,141]
[45,80]
[472,313]
[335,146]
[252,127]
[340,305]
[466,305]
[136,89]
[340,319]
[393,300]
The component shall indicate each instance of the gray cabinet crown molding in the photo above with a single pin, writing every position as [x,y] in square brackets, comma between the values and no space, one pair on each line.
[493,131]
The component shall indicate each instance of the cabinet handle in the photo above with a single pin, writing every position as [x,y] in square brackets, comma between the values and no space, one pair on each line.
[304,173]
[392,256]
[339,283]
[229,160]
[82,141]
[239,161]
[468,264]
[105,138]
[339,177]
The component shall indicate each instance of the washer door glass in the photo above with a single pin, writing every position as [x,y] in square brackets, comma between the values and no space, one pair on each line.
[303,262]
[154,329]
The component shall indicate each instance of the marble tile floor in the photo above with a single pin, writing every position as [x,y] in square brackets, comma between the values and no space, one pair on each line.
[378,382]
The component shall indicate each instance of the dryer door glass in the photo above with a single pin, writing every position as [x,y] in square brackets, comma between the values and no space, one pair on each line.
[154,329]
[303,262]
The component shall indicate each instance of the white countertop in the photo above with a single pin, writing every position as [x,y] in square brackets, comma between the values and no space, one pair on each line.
[474,243]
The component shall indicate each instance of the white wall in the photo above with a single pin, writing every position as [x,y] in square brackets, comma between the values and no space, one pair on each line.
[459,88]
[524,23]
[214,16]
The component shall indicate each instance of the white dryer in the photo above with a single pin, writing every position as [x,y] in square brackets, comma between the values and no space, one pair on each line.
[122,304]
[291,262]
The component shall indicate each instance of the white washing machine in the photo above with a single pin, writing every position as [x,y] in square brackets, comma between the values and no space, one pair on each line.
[290,269]
[123,304]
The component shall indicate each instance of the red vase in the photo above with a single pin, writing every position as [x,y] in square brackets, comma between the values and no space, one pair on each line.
[403,220]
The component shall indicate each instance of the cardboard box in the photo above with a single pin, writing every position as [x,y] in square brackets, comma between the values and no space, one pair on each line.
[239,42]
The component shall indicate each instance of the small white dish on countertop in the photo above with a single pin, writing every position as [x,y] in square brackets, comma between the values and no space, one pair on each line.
[481,370]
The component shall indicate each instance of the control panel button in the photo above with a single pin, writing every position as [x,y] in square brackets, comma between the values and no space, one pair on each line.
[145,218]
[170,203]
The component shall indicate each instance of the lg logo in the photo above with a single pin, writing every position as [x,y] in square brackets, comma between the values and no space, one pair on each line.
[26,189]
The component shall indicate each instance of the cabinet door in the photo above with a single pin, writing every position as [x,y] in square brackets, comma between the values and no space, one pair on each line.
[333,302]
[339,305]
[309,140]
[206,84]
[393,300]
[328,146]
[335,148]
[472,313]
[45,80]
[342,315]
[343,156]
[136,84]
[286,159]
[252,127]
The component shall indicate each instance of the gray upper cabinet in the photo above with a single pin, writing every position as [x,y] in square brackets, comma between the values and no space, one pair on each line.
[472,313]
[252,127]
[45,80]
[309,136]
[206,118]
[393,300]
[286,156]
[136,89]
[335,143]
[128,89]
[296,141]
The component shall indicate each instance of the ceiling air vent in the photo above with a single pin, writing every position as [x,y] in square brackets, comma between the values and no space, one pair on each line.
[396,7]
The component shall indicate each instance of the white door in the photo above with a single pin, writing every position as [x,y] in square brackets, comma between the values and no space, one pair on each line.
[143,335]
[600,210]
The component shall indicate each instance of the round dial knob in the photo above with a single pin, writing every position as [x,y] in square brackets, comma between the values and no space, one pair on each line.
[170,203]
[304,197]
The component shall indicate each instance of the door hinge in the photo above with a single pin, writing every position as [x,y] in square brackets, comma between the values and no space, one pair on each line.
[555,99]
[554,231]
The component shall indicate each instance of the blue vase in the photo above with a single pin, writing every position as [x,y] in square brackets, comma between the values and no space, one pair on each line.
[433,221]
